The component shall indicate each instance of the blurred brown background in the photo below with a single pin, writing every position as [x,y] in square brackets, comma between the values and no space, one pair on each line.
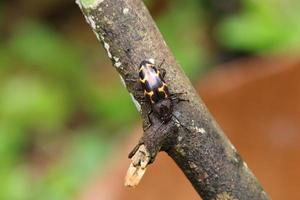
[66,128]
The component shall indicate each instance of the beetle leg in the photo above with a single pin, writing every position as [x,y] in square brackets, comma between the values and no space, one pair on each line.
[163,72]
[131,77]
[135,81]
[131,80]
[178,94]
[175,97]
[179,99]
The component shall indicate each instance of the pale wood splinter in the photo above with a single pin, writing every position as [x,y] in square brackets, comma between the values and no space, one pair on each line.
[138,166]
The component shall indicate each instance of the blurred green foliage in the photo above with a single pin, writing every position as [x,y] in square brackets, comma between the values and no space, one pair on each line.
[263,27]
[45,86]
[40,47]
[60,114]
[82,156]
[181,27]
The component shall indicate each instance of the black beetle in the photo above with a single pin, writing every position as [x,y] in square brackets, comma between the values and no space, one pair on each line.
[156,91]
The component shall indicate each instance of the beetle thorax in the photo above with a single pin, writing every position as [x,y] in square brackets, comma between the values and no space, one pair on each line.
[163,109]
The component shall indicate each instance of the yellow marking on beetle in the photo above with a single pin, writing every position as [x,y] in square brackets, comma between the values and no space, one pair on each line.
[142,68]
[143,80]
[162,89]
[158,73]
[150,94]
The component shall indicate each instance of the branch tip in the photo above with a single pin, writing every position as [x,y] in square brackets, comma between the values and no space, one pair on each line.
[138,166]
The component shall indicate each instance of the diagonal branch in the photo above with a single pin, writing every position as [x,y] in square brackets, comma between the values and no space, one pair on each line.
[201,150]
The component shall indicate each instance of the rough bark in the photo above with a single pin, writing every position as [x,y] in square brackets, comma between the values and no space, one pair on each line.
[201,149]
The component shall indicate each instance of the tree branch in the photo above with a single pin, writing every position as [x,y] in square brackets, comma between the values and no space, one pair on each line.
[201,150]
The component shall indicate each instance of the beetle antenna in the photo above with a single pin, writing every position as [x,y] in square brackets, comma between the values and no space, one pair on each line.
[162,62]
